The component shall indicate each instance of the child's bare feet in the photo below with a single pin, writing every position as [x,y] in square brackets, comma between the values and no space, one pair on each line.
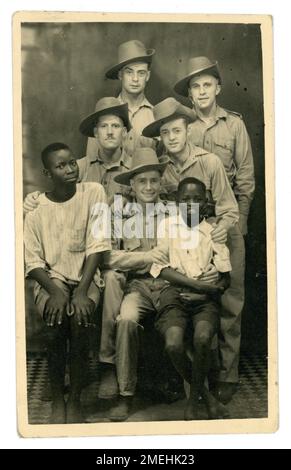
[74,413]
[58,415]
[190,412]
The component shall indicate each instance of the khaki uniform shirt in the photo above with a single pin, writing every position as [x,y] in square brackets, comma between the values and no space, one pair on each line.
[228,138]
[139,235]
[208,168]
[93,169]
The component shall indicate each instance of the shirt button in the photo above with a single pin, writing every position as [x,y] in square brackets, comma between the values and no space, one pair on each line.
[178,171]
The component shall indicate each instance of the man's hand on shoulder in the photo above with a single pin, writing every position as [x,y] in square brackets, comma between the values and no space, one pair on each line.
[31,202]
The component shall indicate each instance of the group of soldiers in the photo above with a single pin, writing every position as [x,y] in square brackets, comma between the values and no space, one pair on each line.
[128,136]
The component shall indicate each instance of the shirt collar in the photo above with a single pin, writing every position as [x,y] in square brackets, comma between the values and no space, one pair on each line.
[203,227]
[194,153]
[220,113]
[144,104]
[123,160]
[132,209]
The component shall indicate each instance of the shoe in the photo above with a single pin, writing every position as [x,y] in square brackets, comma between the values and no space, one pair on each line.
[74,413]
[108,387]
[58,415]
[122,410]
[224,391]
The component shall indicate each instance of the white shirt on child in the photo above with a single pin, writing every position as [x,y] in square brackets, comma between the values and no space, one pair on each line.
[190,250]
[59,236]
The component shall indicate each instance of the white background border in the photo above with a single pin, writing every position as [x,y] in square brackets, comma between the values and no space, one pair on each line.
[8,426]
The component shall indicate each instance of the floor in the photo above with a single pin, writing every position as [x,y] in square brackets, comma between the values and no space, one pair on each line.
[250,400]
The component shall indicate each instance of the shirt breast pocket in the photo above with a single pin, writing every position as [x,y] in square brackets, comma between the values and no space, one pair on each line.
[77,240]
[224,149]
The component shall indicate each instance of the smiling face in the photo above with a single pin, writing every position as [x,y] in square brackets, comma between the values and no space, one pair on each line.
[110,131]
[134,77]
[62,167]
[194,196]
[203,90]
[174,135]
[146,186]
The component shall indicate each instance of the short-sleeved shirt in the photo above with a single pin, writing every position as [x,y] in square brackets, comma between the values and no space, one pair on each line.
[58,237]
[190,250]
[96,170]
[208,168]
[228,138]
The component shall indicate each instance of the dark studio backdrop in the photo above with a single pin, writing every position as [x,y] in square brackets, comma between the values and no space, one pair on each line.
[63,76]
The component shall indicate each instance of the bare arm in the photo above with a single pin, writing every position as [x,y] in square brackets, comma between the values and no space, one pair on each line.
[174,277]
[82,306]
[90,267]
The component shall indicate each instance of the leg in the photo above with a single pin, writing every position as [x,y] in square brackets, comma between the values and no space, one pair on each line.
[56,345]
[79,355]
[56,341]
[230,324]
[113,294]
[202,338]
[174,345]
[112,298]
[133,309]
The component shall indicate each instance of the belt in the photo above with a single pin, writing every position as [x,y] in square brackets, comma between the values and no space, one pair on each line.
[133,275]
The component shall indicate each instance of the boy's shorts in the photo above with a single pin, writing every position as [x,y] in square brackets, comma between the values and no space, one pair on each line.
[172,311]
[41,295]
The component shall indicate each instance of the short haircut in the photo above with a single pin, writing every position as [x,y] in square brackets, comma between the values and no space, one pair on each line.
[54,147]
[191,180]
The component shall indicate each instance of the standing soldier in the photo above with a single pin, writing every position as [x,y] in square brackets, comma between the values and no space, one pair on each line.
[224,133]
[133,71]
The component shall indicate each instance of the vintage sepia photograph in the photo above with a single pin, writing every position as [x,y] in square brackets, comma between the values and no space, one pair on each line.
[144,193]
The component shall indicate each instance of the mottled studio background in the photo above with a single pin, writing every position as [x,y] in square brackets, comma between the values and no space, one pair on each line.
[63,76]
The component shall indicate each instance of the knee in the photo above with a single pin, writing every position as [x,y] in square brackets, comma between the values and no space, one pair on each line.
[202,340]
[53,335]
[77,331]
[113,278]
[174,346]
[127,320]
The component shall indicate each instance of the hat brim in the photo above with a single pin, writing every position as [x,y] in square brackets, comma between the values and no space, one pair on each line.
[89,123]
[153,129]
[125,177]
[182,86]
[112,73]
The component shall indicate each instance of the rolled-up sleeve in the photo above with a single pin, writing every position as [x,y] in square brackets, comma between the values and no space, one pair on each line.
[221,257]
[99,227]
[163,245]
[124,260]
[244,182]
[33,248]
[226,206]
